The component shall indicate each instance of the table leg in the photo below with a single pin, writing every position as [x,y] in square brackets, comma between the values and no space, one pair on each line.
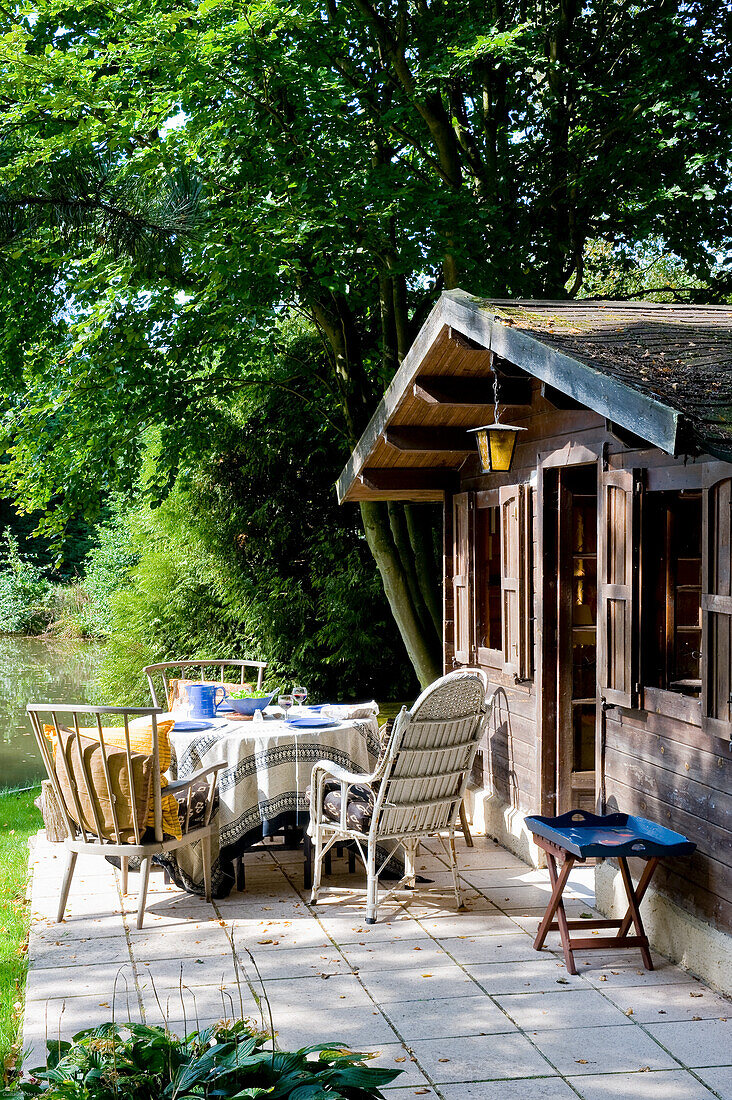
[635,912]
[556,905]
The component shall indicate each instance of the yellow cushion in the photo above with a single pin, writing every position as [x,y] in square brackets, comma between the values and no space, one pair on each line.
[141,742]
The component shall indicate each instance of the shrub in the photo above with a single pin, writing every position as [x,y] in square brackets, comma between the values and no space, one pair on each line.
[229,1061]
[24,591]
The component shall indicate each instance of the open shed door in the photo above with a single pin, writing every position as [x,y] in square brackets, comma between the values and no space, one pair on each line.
[618,587]
[716,604]
[462,526]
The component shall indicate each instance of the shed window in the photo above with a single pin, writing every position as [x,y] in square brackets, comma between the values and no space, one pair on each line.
[488,580]
[672,586]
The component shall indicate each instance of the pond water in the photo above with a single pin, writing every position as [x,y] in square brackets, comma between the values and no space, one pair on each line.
[36,670]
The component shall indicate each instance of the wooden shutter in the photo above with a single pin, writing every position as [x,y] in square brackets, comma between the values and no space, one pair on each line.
[717,610]
[462,523]
[618,604]
[516,579]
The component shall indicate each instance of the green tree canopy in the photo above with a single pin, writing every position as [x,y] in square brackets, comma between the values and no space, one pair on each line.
[178,177]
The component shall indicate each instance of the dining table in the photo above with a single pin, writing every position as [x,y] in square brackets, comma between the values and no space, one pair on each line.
[262,788]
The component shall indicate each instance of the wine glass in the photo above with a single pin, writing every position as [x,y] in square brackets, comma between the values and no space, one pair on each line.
[284,702]
[300,694]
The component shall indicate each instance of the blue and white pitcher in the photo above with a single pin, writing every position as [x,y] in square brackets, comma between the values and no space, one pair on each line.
[203,699]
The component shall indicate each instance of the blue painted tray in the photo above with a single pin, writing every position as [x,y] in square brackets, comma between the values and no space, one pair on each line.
[588,835]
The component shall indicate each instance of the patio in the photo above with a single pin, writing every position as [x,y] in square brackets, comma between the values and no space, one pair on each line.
[459,1001]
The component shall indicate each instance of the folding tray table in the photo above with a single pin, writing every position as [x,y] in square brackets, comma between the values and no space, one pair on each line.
[579,835]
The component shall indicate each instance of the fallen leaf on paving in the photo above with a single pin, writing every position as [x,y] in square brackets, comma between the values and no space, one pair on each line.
[443,1059]
[581,1061]
[402,1059]
[696,994]
[603,977]
[696,1017]
[629,1012]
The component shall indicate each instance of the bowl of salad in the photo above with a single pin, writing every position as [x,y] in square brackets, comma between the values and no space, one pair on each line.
[248,700]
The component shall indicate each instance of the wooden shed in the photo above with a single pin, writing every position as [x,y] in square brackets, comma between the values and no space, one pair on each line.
[593,581]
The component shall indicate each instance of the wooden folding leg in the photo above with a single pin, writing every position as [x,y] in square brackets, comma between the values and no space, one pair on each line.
[634,911]
[640,892]
[556,905]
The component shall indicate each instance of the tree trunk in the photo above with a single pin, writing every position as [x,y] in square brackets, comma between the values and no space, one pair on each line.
[423,653]
[428,575]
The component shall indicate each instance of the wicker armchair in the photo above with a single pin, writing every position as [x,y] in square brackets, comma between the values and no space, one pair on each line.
[109,785]
[416,789]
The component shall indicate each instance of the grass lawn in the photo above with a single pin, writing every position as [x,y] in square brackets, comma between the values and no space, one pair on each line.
[19,819]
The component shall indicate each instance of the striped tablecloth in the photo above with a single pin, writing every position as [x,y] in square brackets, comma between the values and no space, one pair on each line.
[263,784]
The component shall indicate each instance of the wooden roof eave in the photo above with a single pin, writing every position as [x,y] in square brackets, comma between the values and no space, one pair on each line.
[637,412]
[400,384]
[645,416]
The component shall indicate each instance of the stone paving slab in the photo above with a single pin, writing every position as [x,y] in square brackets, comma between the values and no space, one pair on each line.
[661,1084]
[719,1080]
[458,1000]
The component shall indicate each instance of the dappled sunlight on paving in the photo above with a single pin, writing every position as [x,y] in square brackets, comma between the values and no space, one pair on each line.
[458,1000]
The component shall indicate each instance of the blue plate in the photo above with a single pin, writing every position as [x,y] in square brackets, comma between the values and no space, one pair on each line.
[192,725]
[313,723]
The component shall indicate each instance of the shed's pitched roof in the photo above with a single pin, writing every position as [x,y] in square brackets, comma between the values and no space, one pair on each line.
[664,372]
[679,354]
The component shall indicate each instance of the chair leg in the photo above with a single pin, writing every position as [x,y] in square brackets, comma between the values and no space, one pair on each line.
[328,861]
[464,826]
[454,869]
[66,884]
[372,885]
[125,863]
[410,852]
[142,895]
[317,865]
[206,856]
[307,870]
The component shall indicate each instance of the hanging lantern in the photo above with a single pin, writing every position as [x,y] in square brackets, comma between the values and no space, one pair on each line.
[496,441]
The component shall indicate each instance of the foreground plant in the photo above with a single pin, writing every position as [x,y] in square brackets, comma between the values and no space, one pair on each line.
[230,1061]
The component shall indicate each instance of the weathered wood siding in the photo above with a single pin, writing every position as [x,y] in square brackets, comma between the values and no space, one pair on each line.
[512,750]
[669,771]
[658,765]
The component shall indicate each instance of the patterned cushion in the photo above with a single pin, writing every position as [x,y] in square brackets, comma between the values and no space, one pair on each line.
[199,797]
[359,809]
